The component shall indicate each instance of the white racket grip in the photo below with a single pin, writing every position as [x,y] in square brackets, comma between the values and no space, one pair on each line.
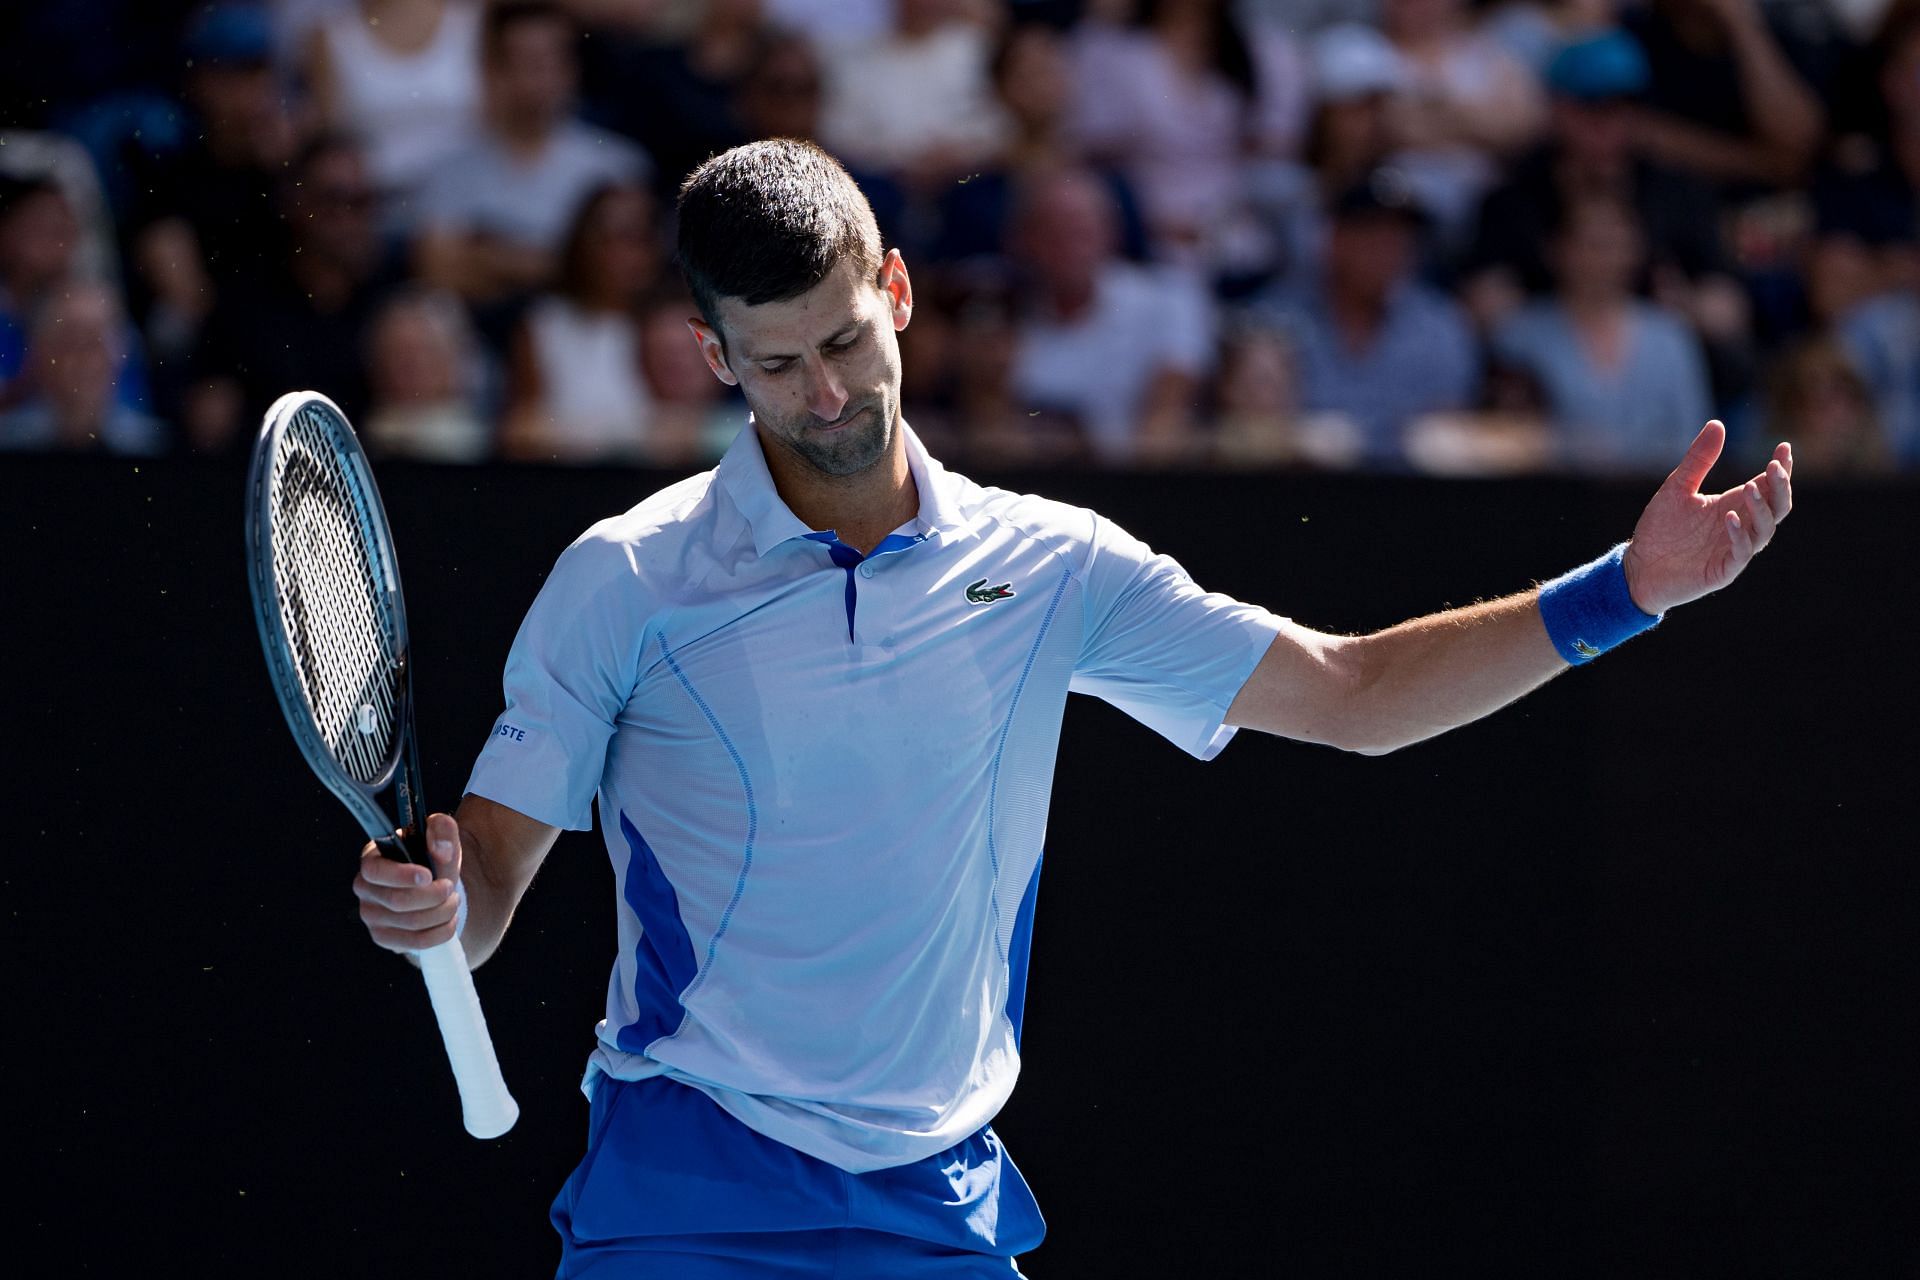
[487,1108]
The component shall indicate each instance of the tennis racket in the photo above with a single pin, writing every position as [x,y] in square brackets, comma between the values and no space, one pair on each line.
[326,594]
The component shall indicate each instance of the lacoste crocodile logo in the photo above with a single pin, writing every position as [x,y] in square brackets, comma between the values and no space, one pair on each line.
[980,593]
[1585,650]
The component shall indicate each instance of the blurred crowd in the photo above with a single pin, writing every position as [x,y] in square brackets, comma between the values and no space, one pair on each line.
[1430,236]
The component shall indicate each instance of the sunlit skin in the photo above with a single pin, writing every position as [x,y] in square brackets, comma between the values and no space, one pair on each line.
[821,373]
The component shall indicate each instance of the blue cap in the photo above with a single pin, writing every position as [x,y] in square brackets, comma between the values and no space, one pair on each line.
[1608,65]
[229,35]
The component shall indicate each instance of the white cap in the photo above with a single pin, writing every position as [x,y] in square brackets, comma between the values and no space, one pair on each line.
[1352,61]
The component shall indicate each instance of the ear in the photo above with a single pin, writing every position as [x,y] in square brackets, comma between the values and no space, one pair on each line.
[893,282]
[713,350]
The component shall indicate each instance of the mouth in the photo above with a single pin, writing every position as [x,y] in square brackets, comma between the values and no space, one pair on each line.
[833,428]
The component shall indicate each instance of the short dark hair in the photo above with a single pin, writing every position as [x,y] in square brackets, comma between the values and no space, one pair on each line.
[502,18]
[768,221]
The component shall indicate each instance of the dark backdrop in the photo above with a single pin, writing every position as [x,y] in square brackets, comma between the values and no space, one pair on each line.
[1620,982]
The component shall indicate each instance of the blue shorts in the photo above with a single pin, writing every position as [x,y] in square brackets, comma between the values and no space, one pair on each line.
[672,1185]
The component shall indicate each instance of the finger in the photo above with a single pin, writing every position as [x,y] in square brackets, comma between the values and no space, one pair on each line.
[443,845]
[1759,515]
[1700,457]
[1779,486]
[378,869]
[1742,542]
[1783,454]
[404,940]
[426,897]
[377,916]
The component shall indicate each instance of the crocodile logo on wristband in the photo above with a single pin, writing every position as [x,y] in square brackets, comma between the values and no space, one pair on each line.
[1586,650]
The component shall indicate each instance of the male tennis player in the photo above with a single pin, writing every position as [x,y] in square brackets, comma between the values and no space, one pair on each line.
[817,693]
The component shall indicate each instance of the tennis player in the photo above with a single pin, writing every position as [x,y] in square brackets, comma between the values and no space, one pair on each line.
[817,694]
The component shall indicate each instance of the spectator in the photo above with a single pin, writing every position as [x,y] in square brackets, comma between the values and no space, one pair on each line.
[1818,399]
[576,392]
[493,214]
[422,373]
[675,96]
[915,103]
[204,217]
[1625,383]
[1595,83]
[1117,347]
[1372,343]
[301,322]
[1356,74]
[1181,104]
[1033,82]
[1871,188]
[1882,335]
[74,357]
[39,258]
[1468,105]
[37,237]
[1725,101]
[402,76]
[991,424]
[1256,399]
[780,97]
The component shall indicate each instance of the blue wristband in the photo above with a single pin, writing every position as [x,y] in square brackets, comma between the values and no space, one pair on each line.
[1590,610]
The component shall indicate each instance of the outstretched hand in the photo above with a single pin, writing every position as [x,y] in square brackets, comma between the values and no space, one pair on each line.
[1688,543]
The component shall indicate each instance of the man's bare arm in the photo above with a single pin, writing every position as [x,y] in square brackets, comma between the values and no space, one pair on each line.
[489,851]
[1378,692]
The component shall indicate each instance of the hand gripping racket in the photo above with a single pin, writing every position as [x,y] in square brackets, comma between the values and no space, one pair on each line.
[326,594]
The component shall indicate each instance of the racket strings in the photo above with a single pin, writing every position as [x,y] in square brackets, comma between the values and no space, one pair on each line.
[333,599]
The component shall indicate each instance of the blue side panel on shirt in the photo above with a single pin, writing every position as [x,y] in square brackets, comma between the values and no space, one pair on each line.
[1017,948]
[663,961]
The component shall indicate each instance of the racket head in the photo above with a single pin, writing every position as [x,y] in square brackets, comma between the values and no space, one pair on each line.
[327,601]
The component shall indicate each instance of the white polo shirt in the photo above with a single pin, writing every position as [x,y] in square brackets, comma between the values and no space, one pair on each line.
[823,780]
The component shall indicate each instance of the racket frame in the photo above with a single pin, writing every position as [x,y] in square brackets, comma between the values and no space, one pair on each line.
[404,842]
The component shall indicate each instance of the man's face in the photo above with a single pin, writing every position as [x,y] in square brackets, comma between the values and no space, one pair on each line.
[821,372]
[1368,254]
[334,210]
[532,77]
[1067,233]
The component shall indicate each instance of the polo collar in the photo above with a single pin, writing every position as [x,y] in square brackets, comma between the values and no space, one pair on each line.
[743,472]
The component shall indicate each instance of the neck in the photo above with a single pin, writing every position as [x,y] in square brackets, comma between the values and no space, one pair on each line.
[1356,314]
[1589,306]
[861,509]
[522,139]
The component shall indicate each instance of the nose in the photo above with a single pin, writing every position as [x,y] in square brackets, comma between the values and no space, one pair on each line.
[826,393]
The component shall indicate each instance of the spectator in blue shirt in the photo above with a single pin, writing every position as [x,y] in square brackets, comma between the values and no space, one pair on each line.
[1372,343]
[1625,381]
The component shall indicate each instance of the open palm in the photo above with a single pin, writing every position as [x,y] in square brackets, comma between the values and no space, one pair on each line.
[1688,543]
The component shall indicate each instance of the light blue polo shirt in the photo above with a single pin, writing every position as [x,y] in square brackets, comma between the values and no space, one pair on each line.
[823,779]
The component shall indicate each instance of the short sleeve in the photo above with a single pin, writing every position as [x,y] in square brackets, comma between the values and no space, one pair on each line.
[1162,650]
[569,674]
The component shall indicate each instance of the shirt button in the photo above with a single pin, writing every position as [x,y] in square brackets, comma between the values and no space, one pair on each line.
[866,570]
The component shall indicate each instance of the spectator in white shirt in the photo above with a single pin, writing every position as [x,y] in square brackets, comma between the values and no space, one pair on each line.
[494,213]
[402,76]
[916,103]
[576,388]
[1116,346]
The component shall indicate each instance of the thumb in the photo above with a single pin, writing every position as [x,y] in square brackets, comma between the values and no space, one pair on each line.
[443,846]
[1701,455]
